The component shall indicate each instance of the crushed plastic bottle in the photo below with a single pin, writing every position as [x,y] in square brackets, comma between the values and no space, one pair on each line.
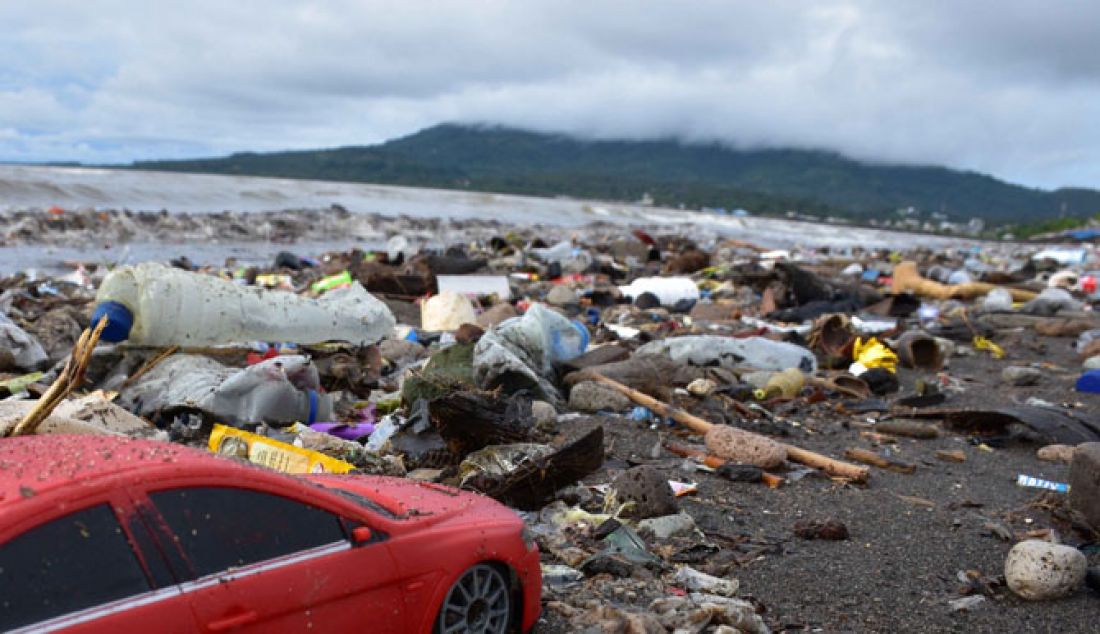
[283,389]
[752,352]
[522,350]
[153,304]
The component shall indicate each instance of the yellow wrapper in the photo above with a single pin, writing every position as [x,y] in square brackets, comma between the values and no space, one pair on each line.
[272,453]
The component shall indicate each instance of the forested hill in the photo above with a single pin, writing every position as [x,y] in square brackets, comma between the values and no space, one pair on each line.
[767,181]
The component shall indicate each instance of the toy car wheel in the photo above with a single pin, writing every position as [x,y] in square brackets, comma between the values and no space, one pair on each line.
[479,602]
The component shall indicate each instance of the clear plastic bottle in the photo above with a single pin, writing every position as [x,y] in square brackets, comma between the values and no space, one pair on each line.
[153,304]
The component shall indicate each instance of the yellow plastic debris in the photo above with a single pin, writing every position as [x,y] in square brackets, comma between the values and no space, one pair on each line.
[874,354]
[981,343]
[272,453]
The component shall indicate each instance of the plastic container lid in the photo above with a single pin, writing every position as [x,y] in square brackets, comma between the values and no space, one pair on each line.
[119,321]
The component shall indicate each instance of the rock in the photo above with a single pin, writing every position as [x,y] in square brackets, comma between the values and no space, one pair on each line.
[543,413]
[401,351]
[590,396]
[966,603]
[1092,363]
[735,472]
[1084,481]
[647,489]
[692,580]
[1038,570]
[647,300]
[702,387]
[740,446]
[562,295]
[496,314]
[668,526]
[1020,376]
[469,333]
[1056,453]
[830,529]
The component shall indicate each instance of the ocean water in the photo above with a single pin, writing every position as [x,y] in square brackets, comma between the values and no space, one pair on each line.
[24,187]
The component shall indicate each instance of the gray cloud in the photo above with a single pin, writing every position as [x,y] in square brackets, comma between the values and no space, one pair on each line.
[1006,87]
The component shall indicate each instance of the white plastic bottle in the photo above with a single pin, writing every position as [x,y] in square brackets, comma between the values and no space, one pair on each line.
[152,304]
[669,290]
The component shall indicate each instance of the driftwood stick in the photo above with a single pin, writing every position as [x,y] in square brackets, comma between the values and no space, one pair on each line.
[698,425]
[882,462]
[69,379]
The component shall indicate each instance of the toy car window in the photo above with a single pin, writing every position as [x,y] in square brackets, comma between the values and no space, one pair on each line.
[221,528]
[71,563]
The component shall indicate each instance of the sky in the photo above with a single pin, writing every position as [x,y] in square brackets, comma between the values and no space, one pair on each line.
[1004,87]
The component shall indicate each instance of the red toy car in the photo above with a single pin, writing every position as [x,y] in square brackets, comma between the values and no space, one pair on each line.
[111,535]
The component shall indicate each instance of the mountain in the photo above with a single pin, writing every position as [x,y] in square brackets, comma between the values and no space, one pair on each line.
[766,181]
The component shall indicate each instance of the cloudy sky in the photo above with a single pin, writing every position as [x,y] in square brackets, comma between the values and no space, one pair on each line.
[1006,87]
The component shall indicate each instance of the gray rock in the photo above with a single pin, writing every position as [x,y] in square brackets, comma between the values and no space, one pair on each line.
[648,490]
[544,414]
[561,296]
[590,396]
[668,526]
[1084,481]
[1039,570]
[1020,375]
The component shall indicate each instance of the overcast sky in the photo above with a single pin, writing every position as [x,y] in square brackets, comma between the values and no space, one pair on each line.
[1006,87]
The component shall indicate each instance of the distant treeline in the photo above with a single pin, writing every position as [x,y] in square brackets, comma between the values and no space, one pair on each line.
[670,173]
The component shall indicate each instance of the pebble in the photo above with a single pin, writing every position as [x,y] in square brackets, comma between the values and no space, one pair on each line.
[1039,570]
[830,529]
[1020,375]
[562,296]
[589,396]
[647,489]
[1056,453]
[668,526]
[966,603]
[543,413]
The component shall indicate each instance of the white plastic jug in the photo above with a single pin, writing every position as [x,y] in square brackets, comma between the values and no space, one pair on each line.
[669,290]
[153,304]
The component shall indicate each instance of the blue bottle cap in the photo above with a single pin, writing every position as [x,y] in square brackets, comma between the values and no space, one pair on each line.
[119,321]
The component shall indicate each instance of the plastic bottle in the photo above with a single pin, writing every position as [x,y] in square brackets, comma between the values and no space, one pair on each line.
[521,351]
[544,331]
[571,258]
[752,352]
[787,383]
[153,304]
[283,389]
[669,290]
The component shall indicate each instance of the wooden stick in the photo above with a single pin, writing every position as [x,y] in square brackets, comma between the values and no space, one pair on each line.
[773,481]
[882,462]
[698,425]
[69,379]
